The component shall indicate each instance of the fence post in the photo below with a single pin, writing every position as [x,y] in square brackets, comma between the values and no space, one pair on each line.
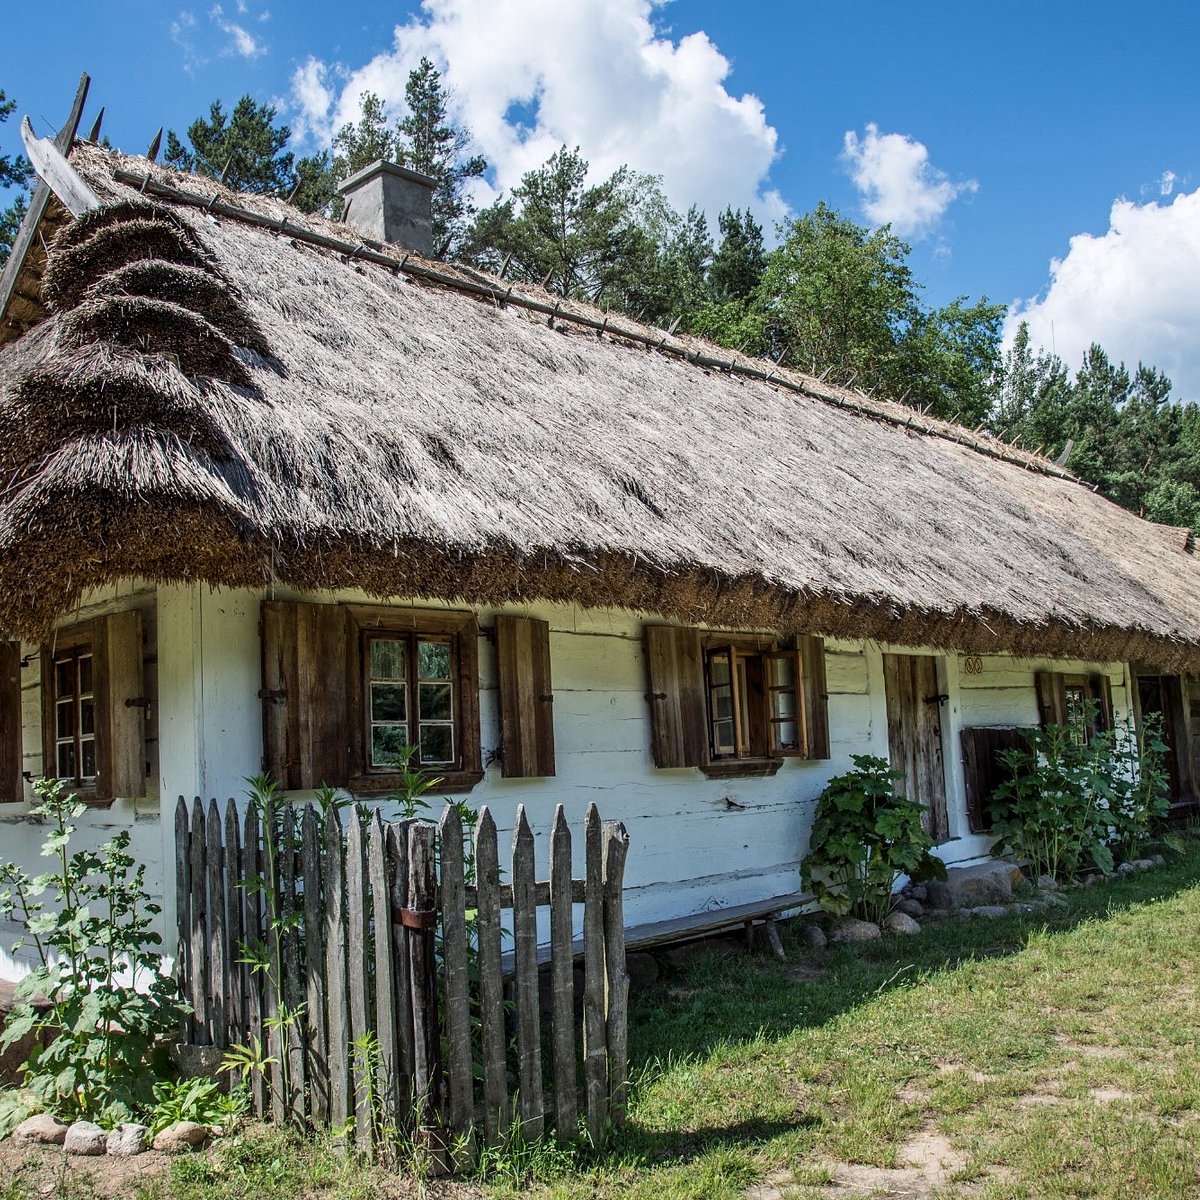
[594,1045]
[357,937]
[255,939]
[338,1017]
[235,930]
[291,986]
[388,1068]
[616,846]
[562,979]
[184,969]
[198,933]
[397,847]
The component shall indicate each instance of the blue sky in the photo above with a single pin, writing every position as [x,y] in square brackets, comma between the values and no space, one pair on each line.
[996,137]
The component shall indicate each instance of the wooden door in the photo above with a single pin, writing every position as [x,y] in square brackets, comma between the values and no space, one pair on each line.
[915,735]
[1167,696]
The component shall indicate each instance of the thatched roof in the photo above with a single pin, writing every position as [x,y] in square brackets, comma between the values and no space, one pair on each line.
[211,399]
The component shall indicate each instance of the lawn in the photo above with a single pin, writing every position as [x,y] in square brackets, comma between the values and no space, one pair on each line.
[1024,1057]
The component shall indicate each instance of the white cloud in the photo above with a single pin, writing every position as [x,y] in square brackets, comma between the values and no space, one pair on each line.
[531,75]
[1134,289]
[1166,183]
[899,185]
[241,41]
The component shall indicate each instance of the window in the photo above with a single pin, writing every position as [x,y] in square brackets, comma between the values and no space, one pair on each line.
[755,702]
[410,700]
[734,704]
[1080,713]
[1084,702]
[74,716]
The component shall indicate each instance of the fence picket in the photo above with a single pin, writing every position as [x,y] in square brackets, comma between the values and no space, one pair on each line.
[525,938]
[198,932]
[388,1068]
[183,915]
[491,994]
[337,1013]
[254,942]
[291,983]
[460,1108]
[357,938]
[421,918]
[562,979]
[235,932]
[268,870]
[594,1044]
[314,968]
[616,846]
[397,847]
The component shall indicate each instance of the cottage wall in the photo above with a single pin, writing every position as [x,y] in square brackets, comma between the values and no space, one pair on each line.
[697,843]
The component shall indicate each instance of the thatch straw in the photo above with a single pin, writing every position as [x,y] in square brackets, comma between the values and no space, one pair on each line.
[410,440]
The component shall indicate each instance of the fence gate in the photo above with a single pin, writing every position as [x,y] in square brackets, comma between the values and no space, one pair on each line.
[359,971]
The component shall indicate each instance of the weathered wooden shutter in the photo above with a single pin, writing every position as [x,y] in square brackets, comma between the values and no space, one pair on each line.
[816,695]
[12,789]
[1100,690]
[305,717]
[983,770]
[1051,697]
[678,714]
[526,699]
[121,706]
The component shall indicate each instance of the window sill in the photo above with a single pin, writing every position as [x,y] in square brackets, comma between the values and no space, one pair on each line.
[378,785]
[735,768]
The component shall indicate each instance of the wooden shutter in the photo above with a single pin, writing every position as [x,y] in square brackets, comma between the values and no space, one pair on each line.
[121,706]
[1100,690]
[983,770]
[12,786]
[305,717]
[816,695]
[1051,697]
[526,699]
[678,713]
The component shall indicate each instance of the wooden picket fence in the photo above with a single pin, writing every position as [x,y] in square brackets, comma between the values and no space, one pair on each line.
[320,946]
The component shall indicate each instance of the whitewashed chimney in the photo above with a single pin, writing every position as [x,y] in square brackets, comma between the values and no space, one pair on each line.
[389,203]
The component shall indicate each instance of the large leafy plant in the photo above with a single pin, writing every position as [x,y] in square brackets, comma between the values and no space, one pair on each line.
[100,973]
[864,835]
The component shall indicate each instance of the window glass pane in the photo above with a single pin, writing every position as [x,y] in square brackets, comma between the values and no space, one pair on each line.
[723,704]
[87,717]
[389,702]
[66,760]
[66,718]
[437,744]
[387,741]
[388,658]
[435,702]
[433,660]
[785,735]
[1077,711]
[718,669]
[88,753]
[85,674]
[781,672]
[64,678]
[723,737]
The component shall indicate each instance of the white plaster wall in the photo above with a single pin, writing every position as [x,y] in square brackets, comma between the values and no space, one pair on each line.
[696,843]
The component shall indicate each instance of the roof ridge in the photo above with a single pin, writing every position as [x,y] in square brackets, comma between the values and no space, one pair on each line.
[478,283]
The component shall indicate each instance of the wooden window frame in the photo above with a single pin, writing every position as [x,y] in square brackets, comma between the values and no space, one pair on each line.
[73,641]
[461,630]
[753,754]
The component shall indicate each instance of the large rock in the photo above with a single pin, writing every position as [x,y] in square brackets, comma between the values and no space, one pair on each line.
[83,1137]
[850,929]
[982,884]
[988,911]
[813,937]
[40,1130]
[127,1140]
[937,896]
[1047,883]
[911,908]
[181,1137]
[901,922]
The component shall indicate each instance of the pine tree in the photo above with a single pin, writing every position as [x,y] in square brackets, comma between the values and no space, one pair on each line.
[14,172]
[740,260]
[246,147]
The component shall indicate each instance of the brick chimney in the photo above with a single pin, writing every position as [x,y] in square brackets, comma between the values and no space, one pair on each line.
[388,203]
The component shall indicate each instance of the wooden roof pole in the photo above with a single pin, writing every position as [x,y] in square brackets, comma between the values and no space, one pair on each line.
[37,206]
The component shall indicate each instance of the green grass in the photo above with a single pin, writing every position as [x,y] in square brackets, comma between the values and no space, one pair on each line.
[1046,1058]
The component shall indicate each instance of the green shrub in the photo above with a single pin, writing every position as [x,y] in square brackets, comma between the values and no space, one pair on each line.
[863,836]
[1071,802]
[99,969]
